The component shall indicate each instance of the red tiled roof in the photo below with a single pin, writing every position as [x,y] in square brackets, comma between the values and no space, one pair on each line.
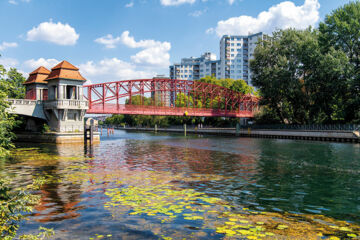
[65,70]
[65,65]
[38,76]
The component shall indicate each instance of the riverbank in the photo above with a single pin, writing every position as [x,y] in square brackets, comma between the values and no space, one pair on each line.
[316,135]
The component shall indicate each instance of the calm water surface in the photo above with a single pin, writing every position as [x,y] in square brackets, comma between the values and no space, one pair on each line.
[110,190]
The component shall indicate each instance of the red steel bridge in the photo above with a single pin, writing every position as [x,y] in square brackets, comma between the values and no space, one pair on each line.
[168,97]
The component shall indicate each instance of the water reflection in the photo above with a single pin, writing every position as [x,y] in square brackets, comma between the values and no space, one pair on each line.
[259,174]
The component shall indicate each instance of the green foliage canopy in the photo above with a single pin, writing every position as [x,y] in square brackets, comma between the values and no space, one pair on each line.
[297,81]
[340,30]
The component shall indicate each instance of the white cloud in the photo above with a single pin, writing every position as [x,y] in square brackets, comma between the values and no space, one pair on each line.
[109,41]
[197,13]
[32,64]
[155,53]
[175,2]
[281,16]
[129,5]
[112,69]
[129,41]
[231,2]
[8,62]
[58,33]
[5,45]
[14,2]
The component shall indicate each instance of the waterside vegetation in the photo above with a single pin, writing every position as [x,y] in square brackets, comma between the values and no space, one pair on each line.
[313,75]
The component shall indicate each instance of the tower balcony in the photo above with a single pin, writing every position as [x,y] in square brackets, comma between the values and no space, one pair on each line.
[66,104]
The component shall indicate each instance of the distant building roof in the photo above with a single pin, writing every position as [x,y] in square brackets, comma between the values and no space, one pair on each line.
[38,76]
[65,70]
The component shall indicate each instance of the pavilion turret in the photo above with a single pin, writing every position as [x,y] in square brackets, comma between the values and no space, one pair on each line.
[36,86]
[66,105]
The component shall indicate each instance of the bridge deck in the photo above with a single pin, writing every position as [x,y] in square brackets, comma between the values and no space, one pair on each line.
[109,108]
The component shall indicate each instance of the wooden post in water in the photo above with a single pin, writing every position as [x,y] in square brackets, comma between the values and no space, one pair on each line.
[156,128]
[89,133]
[185,129]
[237,129]
[85,134]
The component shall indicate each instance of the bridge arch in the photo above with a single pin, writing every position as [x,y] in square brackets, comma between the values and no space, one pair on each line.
[200,99]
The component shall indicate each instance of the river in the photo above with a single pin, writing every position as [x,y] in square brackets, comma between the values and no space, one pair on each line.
[166,186]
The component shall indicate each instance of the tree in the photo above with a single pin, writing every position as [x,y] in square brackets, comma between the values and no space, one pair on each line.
[12,83]
[340,30]
[14,204]
[7,122]
[139,100]
[235,85]
[296,80]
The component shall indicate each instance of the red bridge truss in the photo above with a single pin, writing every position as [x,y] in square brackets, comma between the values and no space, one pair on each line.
[168,97]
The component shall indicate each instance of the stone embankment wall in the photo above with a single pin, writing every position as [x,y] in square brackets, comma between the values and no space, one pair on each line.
[338,136]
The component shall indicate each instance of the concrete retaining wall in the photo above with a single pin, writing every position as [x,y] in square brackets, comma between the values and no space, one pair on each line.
[339,136]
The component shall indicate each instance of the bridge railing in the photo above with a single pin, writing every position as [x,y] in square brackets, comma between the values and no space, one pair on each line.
[24,101]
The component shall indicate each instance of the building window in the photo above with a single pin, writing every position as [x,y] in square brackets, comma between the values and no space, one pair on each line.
[232,71]
[232,49]
[232,44]
[232,55]
[239,44]
[190,76]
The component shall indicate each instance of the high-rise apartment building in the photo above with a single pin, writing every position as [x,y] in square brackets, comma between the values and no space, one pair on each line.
[235,54]
[195,68]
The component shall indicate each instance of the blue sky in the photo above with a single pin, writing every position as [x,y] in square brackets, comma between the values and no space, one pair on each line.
[127,39]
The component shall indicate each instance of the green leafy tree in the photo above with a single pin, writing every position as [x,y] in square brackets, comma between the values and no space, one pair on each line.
[340,30]
[14,203]
[296,80]
[139,100]
[7,121]
[15,80]
[183,100]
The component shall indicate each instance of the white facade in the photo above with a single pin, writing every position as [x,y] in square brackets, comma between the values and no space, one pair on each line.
[235,54]
[195,68]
